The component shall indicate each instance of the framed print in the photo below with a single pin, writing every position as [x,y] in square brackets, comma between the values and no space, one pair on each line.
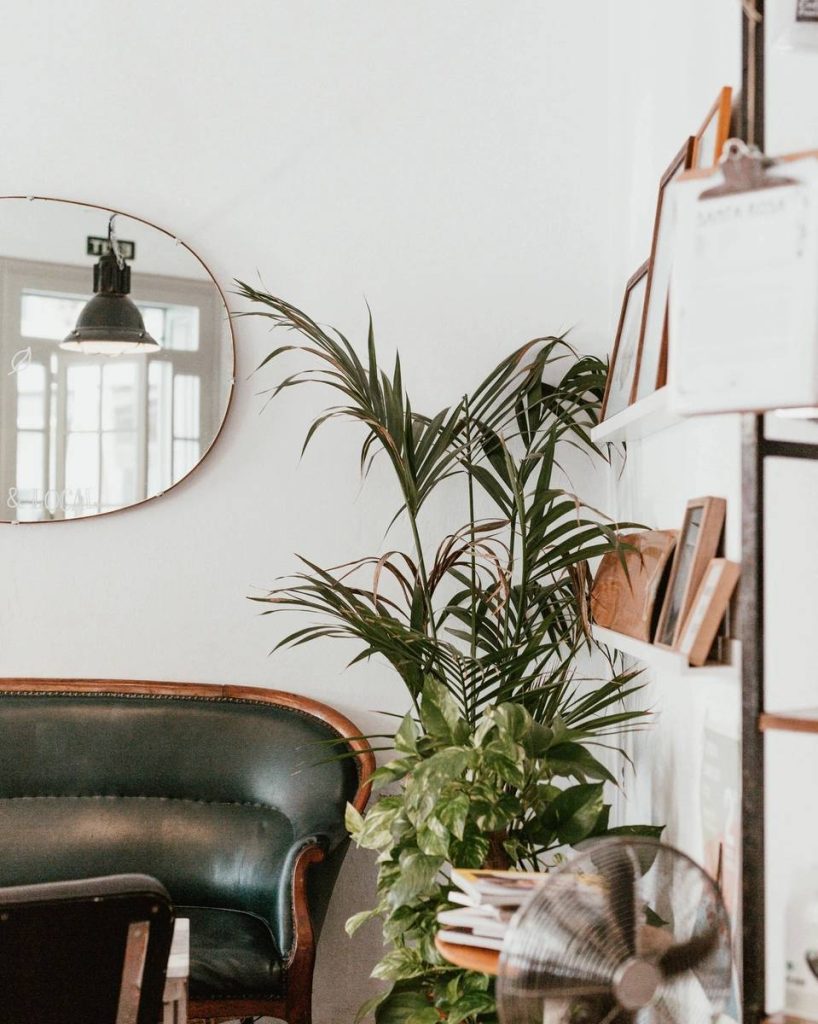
[707,610]
[712,135]
[619,386]
[698,543]
[651,357]
[627,590]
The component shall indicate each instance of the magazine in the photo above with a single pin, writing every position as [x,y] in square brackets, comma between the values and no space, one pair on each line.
[499,888]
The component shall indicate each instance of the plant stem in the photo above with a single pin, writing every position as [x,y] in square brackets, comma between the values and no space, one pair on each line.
[424,582]
[473,558]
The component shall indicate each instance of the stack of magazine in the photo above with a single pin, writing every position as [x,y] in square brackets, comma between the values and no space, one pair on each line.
[485,902]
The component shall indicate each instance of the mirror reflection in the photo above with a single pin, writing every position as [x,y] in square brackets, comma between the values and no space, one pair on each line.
[116,360]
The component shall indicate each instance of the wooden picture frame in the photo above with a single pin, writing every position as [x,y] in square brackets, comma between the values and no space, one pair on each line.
[651,358]
[622,371]
[715,129]
[627,590]
[707,610]
[698,543]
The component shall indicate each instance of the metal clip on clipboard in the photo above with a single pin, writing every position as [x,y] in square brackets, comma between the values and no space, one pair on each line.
[746,169]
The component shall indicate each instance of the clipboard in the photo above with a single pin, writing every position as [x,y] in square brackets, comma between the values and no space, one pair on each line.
[743,316]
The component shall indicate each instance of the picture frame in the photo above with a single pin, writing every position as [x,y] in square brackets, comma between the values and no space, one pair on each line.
[697,545]
[621,373]
[708,609]
[651,358]
[629,584]
[714,132]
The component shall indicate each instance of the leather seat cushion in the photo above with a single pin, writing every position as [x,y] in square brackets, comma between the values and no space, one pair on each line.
[205,854]
[233,955]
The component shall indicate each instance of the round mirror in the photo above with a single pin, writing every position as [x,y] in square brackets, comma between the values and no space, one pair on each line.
[116,360]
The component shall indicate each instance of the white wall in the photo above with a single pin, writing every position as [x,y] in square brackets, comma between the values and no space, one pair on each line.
[446,160]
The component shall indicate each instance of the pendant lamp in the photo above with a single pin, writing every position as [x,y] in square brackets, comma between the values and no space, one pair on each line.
[109,323]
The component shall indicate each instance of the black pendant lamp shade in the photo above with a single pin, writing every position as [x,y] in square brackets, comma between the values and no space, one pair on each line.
[110,324]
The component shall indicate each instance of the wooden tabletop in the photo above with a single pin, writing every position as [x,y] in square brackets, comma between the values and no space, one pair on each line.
[471,957]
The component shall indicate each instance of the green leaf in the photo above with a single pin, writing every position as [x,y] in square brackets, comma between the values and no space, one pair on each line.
[471,852]
[417,873]
[392,772]
[406,737]
[439,713]
[469,1005]
[574,813]
[637,831]
[406,1008]
[574,760]
[653,919]
[454,812]
[399,964]
[507,768]
[433,838]
[353,819]
[358,920]
[375,832]
[513,721]
[369,1007]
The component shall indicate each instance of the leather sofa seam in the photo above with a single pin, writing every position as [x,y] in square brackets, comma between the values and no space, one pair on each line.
[144,796]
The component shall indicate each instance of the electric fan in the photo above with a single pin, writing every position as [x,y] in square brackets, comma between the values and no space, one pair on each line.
[628,931]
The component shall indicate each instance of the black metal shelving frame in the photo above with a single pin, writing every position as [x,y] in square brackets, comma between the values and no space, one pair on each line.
[756,449]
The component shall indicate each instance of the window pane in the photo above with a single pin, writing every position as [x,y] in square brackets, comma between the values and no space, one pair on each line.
[182,328]
[154,317]
[160,393]
[120,396]
[185,406]
[30,475]
[82,466]
[31,397]
[185,457]
[175,327]
[83,396]
[49,316]
[119,470]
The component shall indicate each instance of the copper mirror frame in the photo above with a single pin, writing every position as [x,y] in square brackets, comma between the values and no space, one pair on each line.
[228,337]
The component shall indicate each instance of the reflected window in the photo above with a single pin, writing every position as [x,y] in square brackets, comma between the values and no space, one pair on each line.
[96,433]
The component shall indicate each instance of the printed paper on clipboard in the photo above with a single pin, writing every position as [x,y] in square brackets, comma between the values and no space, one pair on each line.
[743,296]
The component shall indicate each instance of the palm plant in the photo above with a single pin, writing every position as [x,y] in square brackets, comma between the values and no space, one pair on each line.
[485,626]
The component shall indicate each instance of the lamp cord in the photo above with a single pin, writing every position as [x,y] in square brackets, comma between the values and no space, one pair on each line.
[113,241]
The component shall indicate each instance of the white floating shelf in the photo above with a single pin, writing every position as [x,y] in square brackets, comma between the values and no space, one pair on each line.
[647,416]
[665,662]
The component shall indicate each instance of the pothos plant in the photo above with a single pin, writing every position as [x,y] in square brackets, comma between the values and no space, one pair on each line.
[497,760]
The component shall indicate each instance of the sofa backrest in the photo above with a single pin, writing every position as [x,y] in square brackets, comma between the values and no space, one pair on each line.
[207,788]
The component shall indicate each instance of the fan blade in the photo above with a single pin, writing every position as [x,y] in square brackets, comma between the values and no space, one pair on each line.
[685,956]
[662,1014]
[620,869]
[619,1016]
[583,1011]
[601,958]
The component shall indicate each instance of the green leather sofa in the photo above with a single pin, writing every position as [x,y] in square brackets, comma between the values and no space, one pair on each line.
[230,796]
